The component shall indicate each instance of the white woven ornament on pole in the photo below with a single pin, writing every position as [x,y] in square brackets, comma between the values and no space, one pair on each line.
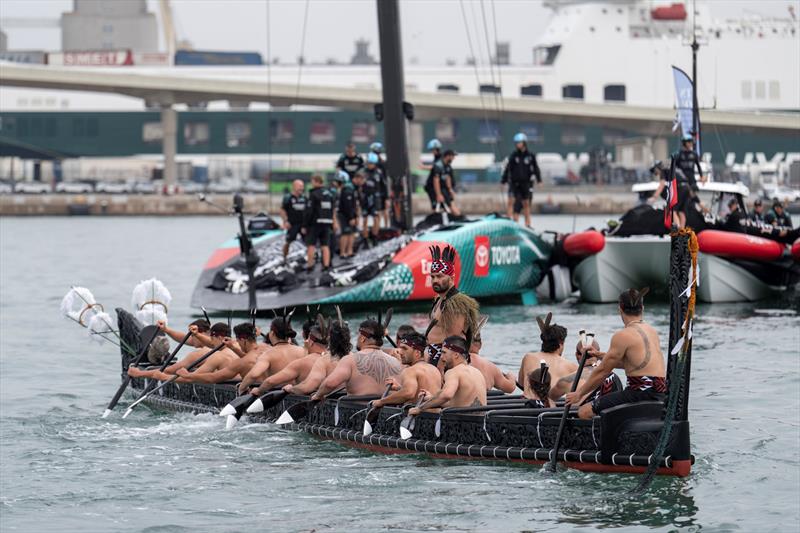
[80,306]
[151,300]
[101,327]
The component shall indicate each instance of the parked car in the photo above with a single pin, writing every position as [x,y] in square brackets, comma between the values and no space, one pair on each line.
[221,187]
[113,187]
[191,187]
[6,187]
[32,187]
[253,186]
[145,187]
[73,187]
[782,193]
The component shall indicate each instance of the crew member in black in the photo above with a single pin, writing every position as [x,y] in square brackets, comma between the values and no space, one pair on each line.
[293,210]
[685,162]
[368,196]
[777,216]
[441,184]
[318,222]
[736,219]
[350,161]
[375,172]
[757,214]
[519,174]
[346,214]
[435,148]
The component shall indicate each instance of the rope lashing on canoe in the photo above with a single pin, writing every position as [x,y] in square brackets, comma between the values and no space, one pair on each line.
[683,345]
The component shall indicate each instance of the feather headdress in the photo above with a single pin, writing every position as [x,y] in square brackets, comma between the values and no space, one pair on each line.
[443,261]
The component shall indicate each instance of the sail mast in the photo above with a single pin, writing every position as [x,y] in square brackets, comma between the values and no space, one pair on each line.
[695,107]
[397,165]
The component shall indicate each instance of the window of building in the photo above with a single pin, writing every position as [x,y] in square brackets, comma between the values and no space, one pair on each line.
[447,87]
[533,131]
[152,132]
[488,131]
[196,133]
[237,133]
[50,127]
[572,91]
[281,131]
[614,93]
[488,88]
[774,90]
[545,55]
[322,132]
[363,132]
[760,90]
[747,90]
[611,137]
[573,135]
[534,89]
[36,126]
[92,127]
[447,130]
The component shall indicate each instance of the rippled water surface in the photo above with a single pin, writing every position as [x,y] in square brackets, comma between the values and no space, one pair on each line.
[63,468]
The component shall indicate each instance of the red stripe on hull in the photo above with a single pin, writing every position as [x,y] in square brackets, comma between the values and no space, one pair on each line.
[220,256]
[679,468]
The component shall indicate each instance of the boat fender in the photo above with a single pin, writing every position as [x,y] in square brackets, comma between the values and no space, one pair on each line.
[739,246]
[584,243]
[796,250]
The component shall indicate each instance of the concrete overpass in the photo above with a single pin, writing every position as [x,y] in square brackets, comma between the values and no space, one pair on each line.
[169,87]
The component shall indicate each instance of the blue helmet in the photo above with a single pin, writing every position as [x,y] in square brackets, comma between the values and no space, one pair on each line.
[434,144]
[373,158]
[341,176]
[376,147]
[687,137]
[520,138]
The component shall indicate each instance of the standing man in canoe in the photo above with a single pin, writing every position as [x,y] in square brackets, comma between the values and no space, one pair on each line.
[453,312]
[636,348]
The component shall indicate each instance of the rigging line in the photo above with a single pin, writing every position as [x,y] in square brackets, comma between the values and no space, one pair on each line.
[301,60]
[475,67]
[499,77]
[491,63]
[270,121]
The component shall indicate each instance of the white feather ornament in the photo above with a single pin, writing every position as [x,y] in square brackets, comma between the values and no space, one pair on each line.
[151,301]
[79,305]
[101,325]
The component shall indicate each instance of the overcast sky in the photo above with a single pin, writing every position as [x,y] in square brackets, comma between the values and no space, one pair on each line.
[433,30]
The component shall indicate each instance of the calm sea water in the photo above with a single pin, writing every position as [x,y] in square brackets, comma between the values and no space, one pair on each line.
[63,468]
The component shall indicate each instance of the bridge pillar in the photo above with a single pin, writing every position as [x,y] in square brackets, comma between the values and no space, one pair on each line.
[169,124]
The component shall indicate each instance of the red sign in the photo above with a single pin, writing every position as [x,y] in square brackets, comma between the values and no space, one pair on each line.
[98,58]
[481,256]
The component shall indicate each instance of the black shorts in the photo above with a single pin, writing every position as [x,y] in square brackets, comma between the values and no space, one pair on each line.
[293,232]
[319,233]
[628,395]
[520,190]
[344,224]
[369,206]
[448,199]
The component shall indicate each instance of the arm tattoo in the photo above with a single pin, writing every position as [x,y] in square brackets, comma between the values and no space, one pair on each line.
[567,379]
[376,365]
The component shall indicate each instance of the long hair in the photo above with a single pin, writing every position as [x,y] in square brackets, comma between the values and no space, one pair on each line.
[540,386]
[339,343]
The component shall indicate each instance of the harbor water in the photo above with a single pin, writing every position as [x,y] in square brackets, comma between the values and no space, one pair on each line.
[63,468]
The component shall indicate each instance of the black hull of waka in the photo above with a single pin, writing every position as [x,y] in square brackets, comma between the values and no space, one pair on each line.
[620,440]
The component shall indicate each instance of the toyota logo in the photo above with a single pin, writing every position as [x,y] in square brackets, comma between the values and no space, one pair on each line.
[482,255]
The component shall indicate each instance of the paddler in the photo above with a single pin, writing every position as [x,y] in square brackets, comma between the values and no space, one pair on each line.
[551,350]
[453,312]
[635,348]
[417,373]
[464,385]
[315,345]
[495,378]
[245,347]
[202,326]
[224,357]
[278,355]
[610,384]
[539,384]
[365,371]
[339,346]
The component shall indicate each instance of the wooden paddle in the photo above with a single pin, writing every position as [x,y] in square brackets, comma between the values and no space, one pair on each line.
[373,414]
[300,410]
[172,379]
[386,322]
[554,452]
[166,362]
[127,379]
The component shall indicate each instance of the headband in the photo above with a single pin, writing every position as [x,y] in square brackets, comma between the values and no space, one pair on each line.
[453,347]
[410,341]
[369,334]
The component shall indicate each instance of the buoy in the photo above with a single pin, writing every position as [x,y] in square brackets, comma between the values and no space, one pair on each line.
[584,243]
[796,250]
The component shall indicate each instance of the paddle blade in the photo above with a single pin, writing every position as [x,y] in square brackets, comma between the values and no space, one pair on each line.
[256,407]
[296,412]
[406,427]
[230,422]
[238,405]
[127,412]
[267,400]
[106,413]
[228,410]
[285,418]
[367,431]
[405,433]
